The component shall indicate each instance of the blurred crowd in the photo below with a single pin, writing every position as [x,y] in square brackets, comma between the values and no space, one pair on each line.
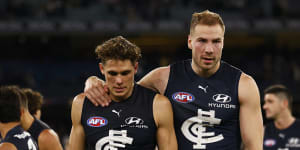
[149,10]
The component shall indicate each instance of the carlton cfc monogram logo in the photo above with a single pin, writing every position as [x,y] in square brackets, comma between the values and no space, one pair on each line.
[194,129]
[115,140]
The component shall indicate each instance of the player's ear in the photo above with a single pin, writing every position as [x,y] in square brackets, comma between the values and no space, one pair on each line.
[22,112]
[286,103]
[38,114]
[189,41]
[136,66]
[101,68]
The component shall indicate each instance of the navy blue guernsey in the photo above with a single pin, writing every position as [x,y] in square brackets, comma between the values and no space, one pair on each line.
[286,139]
[122,125]
[206,110]
[36,128]
[20,138]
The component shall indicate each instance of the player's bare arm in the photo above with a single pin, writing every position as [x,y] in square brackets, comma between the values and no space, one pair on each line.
[163,115]
[251,123]
[156,80]
[7,146]
[49,140]
[96,91]
[77,135]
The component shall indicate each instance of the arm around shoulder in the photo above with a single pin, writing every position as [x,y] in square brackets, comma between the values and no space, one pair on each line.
[251,123]
[77,135]
[92,81]
[157,79]
[49,140]
[96,91]
[163,115]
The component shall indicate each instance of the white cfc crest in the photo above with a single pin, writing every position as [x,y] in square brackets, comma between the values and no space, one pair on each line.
[195,131]
[115,139]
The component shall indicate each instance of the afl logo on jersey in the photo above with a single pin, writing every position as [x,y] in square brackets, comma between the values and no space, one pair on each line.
[222,98]
[269,142]
[183,97]
[96,121]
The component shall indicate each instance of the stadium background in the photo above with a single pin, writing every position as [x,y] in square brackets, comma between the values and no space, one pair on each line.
[48,45]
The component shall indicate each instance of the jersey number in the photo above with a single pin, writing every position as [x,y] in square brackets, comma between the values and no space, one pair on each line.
[31,145]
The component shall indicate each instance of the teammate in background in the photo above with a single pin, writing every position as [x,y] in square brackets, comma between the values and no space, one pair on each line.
[46,138]
[137,119]
[284,131]
[216,105]
[14,137]
[35,102]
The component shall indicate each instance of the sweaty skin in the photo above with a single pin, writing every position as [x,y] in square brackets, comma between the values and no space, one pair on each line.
[120,82]
[206,43]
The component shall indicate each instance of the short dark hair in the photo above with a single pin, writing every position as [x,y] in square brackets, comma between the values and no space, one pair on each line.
[206,18]
[118,48]
[35,100]
[281,91]
[10,104]
[23,100]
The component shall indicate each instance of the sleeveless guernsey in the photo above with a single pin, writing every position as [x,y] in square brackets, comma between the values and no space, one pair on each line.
[20,138]
[122,125]
[36,128]
[206,110]
[286,139]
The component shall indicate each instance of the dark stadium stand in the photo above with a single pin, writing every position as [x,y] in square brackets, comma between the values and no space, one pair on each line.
[48,45]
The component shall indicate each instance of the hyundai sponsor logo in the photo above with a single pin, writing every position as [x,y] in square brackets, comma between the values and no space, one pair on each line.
[222,98]
[223,101]
[293,142]
[134,120]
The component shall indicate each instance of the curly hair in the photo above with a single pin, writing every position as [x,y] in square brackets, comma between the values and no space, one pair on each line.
[118,48]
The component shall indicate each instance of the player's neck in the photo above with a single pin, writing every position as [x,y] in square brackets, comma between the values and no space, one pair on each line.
[27,120]
[5,127]
[284,121]
[206,73]
[125,97]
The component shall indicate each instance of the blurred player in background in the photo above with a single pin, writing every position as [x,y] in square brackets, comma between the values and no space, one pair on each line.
[46,138]
[284,131]
[35,102]
[12,105]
